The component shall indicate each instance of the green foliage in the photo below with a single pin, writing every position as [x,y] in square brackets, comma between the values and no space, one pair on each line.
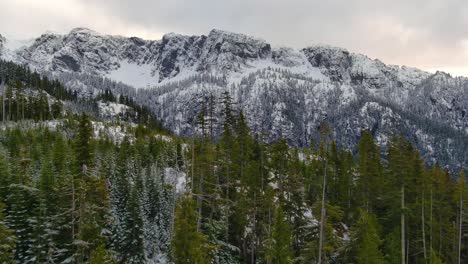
[83,148]
[100,255]
[188,245]
[7,239]
[364,244]
[279,247]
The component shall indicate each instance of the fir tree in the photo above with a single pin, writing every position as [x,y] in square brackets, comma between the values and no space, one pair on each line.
[188,246]
[7,239]
[365,242]
[83,147]
[279,250]
[100,255]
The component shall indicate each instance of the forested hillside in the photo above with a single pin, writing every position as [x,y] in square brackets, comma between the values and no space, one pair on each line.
[284,92]
[71,194]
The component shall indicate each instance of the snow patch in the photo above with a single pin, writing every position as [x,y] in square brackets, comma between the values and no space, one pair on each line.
[111,109]
[139,76]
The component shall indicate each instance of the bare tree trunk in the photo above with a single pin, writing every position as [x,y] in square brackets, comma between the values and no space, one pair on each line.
[174,193]
[403,245]
[254,239]
[407,251]
[227,202]
[349,190]
[193,162]
[440,237]
[22,108]
[430,235]
[423,229]
[199,201]
[269,229]
[3,104]
[322,216]
[73,209]
[460,229]
[9,108]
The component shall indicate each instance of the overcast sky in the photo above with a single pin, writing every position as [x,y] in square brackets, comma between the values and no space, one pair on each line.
[428,34]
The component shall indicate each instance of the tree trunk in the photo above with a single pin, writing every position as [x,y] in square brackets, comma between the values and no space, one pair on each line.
[423,229]
[322,216]
[228,182]
[174,194]
[9,108]
[403,245]
[460,229]
[254,239]
[430,231]
[3,104]
[73,210]
[193,162]
[199,201]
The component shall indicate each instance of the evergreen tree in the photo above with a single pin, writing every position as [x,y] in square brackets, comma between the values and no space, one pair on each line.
[364,244]
[371,182]
[101,255]
[279,249]
[460,198]
[188,246]
[83,145]
[5,178]
[7,239]
[134,249]
[22,218]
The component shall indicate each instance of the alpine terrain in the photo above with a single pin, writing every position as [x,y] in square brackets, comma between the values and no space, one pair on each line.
[225,149]
[283,92]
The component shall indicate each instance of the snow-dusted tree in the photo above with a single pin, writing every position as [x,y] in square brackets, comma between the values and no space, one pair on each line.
[157,214]
[22,218]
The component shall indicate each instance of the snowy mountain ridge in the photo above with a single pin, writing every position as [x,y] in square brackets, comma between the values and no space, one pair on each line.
[283,91]
[220,52]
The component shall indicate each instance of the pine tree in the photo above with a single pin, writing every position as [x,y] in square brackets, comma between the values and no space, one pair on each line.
[370,182]
[94,216]
[156,214]
[101,255]
[41,248]
[5,177]
[364,241]
[399,152]
[22,218]
[460,196]
[7,239]
[134,247]
[188,245]
[19,101]
[83,145]
[279,249]
[9,96]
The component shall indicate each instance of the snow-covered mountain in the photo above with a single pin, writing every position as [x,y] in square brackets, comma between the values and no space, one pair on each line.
[283,91]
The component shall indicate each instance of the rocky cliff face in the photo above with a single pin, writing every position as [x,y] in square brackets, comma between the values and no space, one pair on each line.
[283,91]
[86,51]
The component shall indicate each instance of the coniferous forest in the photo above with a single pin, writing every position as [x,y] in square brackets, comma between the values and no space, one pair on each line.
[70,194]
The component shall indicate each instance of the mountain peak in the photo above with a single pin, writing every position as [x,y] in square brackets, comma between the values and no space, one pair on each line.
[326,48]
[83,30]
[173,35]
[219,33]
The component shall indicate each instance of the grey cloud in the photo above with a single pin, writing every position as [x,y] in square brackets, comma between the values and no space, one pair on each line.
[423,33]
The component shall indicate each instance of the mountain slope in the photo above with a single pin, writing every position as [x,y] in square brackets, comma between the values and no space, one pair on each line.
[283,92]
